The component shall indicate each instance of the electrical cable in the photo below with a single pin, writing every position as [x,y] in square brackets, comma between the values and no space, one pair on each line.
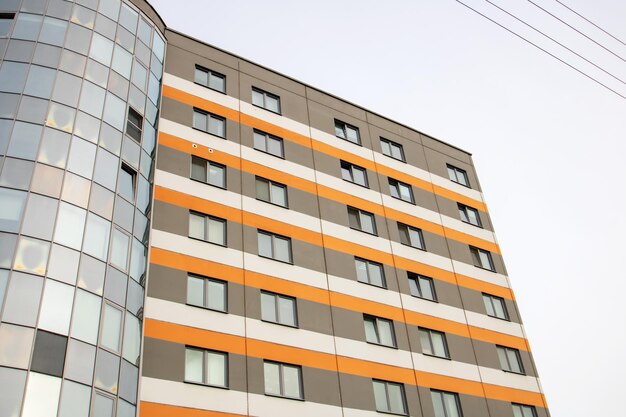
[590,22]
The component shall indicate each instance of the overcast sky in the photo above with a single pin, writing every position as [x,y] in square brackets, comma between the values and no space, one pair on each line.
[547,142]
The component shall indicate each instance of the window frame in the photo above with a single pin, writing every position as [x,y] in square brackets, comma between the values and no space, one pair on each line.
[348,167]
[367,263]
[396,185]
[343,127]
[205,353]
[209,73]
[377,330]
[390,144]
[205,292]
[270,184]
[506,367]
[476,252]
[417,278]
[265,95]
[207,219]
[209,116]
[386,384]
[458,171]
[274,236]
[359,215]
[522,407]
[431,345]
[281,380]
[277,297]
[446,412]
[421,245]
[208,164]
[266,138]
[465,218]
[133,175]
[8,16]
[133,125]
[491,299]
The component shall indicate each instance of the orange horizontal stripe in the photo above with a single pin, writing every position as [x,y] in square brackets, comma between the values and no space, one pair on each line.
[148,409]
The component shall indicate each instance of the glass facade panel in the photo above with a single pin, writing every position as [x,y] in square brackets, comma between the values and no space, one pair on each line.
[16,343]
[111,327]
[102,406]
[92,99]
[193,365]
[39,217]
[13,77]
[56,307]
[11,209]
[132,339]
[12,382]
[97,237]
[70,225]
[22,300]
[54,148]
[42,396]
[49,353]
[75,400]
[79,362]
[82,157]
[61,117]
[91,274]
[119,249]
[39,82]
[107,371]
[86,317]
[24,141]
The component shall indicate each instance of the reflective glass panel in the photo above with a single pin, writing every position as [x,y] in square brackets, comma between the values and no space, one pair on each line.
[79,361]
[12,382]
[63,264]
[31,255]
[70,224]
[39,217]
[54,148]
[11,209]
[103,406]
[119,249]
[75,399]
[101,49]
[42,396]
[53,31]
[13,76]
[82,157]
[111,327]
[56,307]
[61,117]
[132,339]
[40,81]
[97,237]
[16,343]
[86,317]
[107,371]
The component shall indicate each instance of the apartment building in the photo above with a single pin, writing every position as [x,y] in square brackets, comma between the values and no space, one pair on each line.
[186,233]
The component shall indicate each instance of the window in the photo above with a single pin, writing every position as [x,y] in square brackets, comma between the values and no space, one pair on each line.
[354,173]
[206,292]
[510,359]
[433,343]
[209,123]
[411,236]
[495,306]
[6,20]
[267,143]
[379,331]
[362,220]
[213,80]
[274,246]
[279,309]
[126,183]
[469,215]
[347,132]
[266,100]
[134,124]
[206,367]
[401,190]
[389,397]
[208,172]
[422,287]
[482,258]
[271,192]
[392,149]
[208,228]
[521,410]
[370,272]
[446,404]
[283,380]
[458,175]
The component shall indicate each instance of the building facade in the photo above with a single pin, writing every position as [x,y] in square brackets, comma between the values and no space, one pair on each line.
[272,251]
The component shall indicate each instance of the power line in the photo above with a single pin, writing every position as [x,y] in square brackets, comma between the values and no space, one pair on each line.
[540,48]
[576,30]
[589,21]
[557,42]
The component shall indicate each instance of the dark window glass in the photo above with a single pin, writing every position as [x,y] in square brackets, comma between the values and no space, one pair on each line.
[134,124]
[49,353]
[347,132]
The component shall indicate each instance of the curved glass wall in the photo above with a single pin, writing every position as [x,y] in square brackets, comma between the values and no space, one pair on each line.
[79,95]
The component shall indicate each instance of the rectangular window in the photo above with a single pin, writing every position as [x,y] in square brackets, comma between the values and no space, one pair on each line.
[389,397]
[274,246]
[126,183]
[510,359]
[482,258]
[208,172]
[370,272]
[209,123]
[401,190]
[206,292]
[134,124]
[411,236]
[271,192]
[469,215]
[521,410]
[446,404]
[208,228]
[347,132]
[458,175]
[206,367]
[266,100]
[6,20]
[392,149]
[354,174]
[279,309]
[267,143]
[362,220]
[433,343]
[283,380]
[495,306]
[211,79]
[379,331]
[422,287]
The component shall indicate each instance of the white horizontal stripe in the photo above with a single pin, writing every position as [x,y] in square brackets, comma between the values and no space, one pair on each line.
[494,324]
[279,164]
[365,291]
[184,315]
[441,366]
[285,271]
[402,167]
[411,209]
[344,145]
[468,229]
[419,305]
[480,274]
[373,353]
[421,256]
[457,188]
[355,236]
[193,396]
[205,141]
[200,91]
[287,216]
[349,188]
[508,379]
[197,189]
[289,336]
[267,406]
[275,119]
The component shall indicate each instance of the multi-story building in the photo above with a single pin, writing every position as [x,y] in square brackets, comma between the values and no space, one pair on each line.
[304,256]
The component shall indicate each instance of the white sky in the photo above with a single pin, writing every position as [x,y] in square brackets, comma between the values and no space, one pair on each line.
[548,143]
